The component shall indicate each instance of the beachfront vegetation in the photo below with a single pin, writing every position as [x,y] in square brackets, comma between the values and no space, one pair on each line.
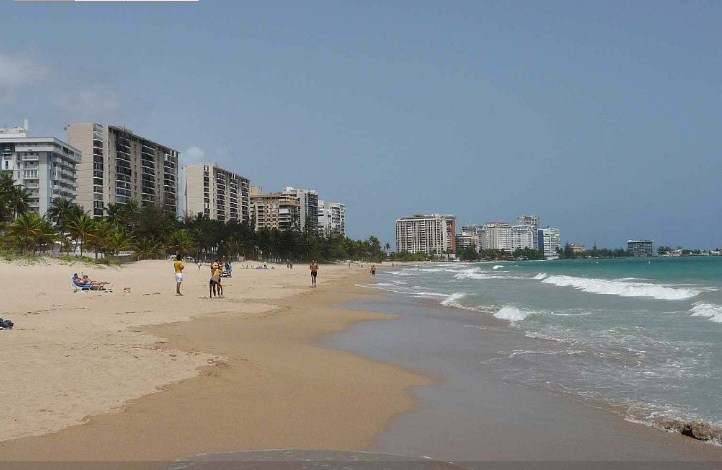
[148,232]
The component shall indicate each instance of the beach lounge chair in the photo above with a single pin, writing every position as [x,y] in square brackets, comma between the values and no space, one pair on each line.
[82,287]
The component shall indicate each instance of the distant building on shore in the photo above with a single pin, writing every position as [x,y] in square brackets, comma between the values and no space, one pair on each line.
[523,237]
[45,166]
[217,193]
[533,222]
[308,207]
[276,210]
[118,165]
[469,238]
[549,242]
[430,234]
[576,249]
[331,219]
[497,236]
[640,248]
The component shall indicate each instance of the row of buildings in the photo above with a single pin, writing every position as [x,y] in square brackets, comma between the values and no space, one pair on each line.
[103,164]
[436,234]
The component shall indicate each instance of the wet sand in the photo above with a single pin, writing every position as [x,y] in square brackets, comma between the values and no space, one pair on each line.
[269,386]
[472,415]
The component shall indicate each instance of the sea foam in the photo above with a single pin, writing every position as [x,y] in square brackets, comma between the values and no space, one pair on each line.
[512,314]
[453,300]
[714,312]
[622,288]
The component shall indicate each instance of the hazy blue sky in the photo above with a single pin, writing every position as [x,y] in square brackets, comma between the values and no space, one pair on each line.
[602,118]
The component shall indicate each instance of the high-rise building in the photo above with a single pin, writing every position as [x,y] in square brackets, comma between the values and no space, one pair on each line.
[45,166]
[532,221]
[331,219]
[118,165]
[431,234]
[640,248]
[217,193]
[308,205]
[277,210]
[549,242]
[469,237]
[522,236]
[498,236]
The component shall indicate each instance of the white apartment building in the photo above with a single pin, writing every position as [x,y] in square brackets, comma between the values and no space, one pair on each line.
[118,165]
[522,236]
[532,221]
[431,234]
[549,242]
[276,210]
[331,219]
[641,248]
[498,236]
[45,166]
[217,193]
[308,204]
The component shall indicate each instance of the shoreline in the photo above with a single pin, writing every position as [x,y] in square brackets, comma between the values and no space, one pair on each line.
[271,386]
[473,415]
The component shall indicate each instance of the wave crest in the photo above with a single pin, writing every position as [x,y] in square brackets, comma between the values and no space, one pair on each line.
[512,314]
[622,288]
[712,311]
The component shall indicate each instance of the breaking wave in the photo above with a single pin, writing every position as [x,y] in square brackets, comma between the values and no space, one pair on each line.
[512,314]
[453,300]
[622,288]
[712,311]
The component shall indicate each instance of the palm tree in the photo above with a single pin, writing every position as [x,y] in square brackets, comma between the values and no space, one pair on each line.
[147,248]
[181,242]
[18,199]
[99,237]
[82,229]
[26,231]
[62,210]
[118,240]
[115,214]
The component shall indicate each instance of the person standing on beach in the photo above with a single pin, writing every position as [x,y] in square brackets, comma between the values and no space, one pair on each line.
[373,270]
[178,266]
[314,272]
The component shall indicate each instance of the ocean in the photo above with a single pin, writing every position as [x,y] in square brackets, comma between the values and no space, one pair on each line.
[641,335]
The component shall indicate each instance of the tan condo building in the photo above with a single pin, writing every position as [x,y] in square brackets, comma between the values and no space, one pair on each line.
[118,165]
[217,193]
[431,234]
[276,210]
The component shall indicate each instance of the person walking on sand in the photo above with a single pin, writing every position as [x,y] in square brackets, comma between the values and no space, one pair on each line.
[314,272]
[373,270]
[179,267]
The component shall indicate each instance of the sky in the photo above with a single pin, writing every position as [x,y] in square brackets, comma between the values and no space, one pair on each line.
[601,118]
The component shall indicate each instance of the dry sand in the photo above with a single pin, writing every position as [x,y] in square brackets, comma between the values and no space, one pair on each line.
[150,376]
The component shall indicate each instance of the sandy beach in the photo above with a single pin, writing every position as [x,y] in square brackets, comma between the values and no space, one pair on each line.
[147,375]
[139,377]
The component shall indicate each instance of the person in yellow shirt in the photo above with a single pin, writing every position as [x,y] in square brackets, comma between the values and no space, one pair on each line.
[215,282]
[178,266]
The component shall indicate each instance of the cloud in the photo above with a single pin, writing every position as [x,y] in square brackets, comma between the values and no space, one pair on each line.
[193,155]
[19,72]
[54,97]
[95,103]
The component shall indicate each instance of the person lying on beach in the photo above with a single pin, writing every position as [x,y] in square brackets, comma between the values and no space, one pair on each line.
[87,281]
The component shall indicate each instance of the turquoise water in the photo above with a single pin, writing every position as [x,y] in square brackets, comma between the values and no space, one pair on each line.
[645,334]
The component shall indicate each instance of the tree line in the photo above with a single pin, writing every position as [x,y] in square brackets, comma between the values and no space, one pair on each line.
[149,232]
